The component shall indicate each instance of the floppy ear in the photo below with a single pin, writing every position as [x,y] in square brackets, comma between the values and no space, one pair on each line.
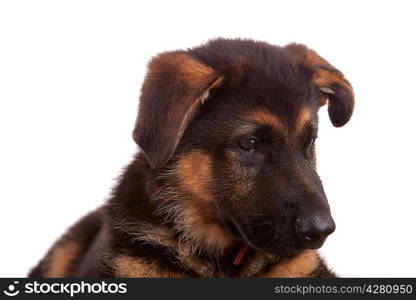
[174,86]
[331,83]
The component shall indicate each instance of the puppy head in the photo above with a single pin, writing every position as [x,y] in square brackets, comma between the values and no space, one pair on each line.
[236,122]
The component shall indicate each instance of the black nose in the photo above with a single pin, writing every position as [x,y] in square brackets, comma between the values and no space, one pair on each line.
[314,230]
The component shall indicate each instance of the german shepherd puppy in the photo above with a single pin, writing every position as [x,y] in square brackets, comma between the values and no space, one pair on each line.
[225,182]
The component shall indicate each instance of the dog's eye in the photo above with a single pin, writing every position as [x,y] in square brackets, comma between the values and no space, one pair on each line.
[249,143]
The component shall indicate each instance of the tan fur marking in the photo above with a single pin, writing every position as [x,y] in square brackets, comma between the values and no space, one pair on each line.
[199,213]
[216,83]
[323,101]
[62,259]
[256,264]
[303,117]
[265,117]
[202,226]
[194,171]
[325,74]
[194,72]
[183,68]
[192,261]
[313,59]
[300,266]
[324,78]
[130,267]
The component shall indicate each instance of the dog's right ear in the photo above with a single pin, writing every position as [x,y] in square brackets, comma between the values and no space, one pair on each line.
[175,85]
[332,84]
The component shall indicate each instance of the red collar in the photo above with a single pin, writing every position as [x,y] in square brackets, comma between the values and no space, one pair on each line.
[241,253]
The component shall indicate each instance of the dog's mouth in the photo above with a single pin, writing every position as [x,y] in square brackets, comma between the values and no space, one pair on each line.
[261,234]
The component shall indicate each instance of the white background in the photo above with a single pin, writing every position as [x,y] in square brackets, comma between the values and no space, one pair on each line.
[70,74]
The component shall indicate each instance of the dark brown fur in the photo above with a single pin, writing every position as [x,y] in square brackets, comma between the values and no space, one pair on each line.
[191,198]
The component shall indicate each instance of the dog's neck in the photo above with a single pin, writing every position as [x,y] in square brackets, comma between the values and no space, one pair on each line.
[197,262]
[144,214]
[235,260]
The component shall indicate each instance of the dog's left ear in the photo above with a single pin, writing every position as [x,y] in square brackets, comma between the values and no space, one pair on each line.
[175,85]
[331,83]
